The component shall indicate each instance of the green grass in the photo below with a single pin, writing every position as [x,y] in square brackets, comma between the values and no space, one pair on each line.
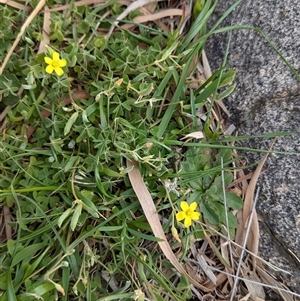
[75,228]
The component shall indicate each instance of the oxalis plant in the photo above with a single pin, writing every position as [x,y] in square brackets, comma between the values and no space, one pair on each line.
[75,110]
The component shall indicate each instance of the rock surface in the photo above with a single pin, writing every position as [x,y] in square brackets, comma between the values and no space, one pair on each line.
[267,99]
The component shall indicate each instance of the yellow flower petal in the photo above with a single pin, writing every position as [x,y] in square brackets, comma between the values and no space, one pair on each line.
[187,222]
[193,206]
[48,60]
[59,71]
[55,56]
[62,63]
[195,215]
[184,206]
[180,216]
[49,69]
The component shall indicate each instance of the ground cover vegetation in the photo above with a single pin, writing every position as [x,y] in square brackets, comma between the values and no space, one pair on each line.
[115,168]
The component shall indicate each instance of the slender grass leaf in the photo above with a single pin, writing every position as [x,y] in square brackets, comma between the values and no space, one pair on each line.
[66,282]
[268,135]
[225,93]
[26,253]
[36,263]
[198,24]
[160,92]
[142,235]
[220,146]
[11,295]
[166,53]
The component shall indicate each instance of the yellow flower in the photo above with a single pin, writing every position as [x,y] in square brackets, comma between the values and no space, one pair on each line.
[55,64]
[188,213]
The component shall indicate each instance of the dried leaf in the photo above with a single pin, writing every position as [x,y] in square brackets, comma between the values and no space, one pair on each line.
[242,178]
[254,288]
[239,233]
[221,278]
[195,135]
[207,73]
[46,31]
[133,6]
[225,254]
[206,269]
[253,239]
[16,5]
[156,16]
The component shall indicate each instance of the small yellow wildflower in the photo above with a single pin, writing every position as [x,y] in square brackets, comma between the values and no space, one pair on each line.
[55,64]
[188,213]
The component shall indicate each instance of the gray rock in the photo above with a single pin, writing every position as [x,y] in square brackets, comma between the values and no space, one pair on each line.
[267,99]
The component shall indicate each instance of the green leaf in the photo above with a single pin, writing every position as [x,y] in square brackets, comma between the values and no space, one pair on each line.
[167,52]
[225,93]
[228,178]
[30,270]
[3,281]
[219,209]
[87,198]
[43,289]
[125,123]
[10,246]
[11,295]
[233,201]
[26,253]
[227,78]
[64,216]
[213,191]
[196,196]
[70,122]
[225,154]
[111,173]
[232,221]
[209,213]
[70,163]
[75,217]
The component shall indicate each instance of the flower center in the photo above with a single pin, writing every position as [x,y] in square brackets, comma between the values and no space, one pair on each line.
[55,63]
[189,212]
